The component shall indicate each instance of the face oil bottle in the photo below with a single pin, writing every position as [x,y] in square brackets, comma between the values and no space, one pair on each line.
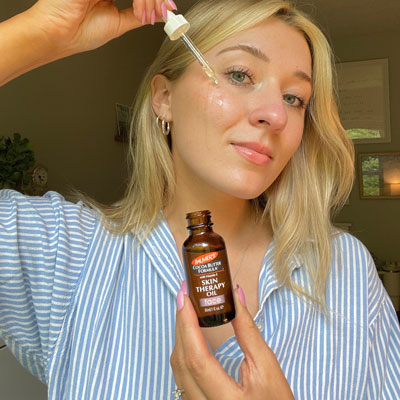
[207,271]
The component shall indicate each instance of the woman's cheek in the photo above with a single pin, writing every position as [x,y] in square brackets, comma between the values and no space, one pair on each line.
[223,105]
[296,140]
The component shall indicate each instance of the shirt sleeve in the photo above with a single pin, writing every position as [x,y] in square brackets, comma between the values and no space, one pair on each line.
[43,247]
[384,347]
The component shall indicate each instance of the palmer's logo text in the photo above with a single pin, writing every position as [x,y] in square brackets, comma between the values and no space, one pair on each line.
[205,258]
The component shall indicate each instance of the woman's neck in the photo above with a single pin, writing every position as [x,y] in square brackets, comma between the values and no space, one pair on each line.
[234,219]
[227,217]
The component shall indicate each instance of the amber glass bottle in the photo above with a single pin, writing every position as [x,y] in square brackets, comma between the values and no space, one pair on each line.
[207,271]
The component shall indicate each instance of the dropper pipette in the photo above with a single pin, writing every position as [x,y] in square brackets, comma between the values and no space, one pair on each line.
[176,27]
[195,51]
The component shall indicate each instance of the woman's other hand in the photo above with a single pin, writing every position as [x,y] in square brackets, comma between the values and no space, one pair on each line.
[201,376]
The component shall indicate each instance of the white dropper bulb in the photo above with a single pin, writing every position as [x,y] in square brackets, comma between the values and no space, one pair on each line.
[176,27]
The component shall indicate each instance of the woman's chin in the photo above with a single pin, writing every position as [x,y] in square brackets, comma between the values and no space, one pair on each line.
[246,193]
[244,186]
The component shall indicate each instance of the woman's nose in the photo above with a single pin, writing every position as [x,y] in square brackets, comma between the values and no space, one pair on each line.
[269,111]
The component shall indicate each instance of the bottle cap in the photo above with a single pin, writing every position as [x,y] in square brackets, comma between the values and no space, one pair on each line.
[175,25]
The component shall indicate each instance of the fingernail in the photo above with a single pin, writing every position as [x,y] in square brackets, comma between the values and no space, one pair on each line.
[164,10]
[172,4]
[153,17]
[144,17]
[242,297]
[180,300]
[184,287]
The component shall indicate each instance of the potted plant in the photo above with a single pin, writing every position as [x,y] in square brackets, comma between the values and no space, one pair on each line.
[16,158]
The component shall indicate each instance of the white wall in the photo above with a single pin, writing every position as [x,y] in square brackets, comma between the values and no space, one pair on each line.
[16,383]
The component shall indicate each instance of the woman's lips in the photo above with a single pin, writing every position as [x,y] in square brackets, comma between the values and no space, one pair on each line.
[253,152]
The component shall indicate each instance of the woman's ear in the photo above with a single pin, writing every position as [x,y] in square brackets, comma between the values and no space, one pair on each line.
[161,97]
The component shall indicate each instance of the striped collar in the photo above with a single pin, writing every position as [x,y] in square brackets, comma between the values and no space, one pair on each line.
[160,247]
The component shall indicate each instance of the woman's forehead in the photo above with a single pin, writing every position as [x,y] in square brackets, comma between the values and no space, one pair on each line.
[270,38]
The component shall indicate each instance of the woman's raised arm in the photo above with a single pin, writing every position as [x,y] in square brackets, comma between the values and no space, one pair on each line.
[53,29]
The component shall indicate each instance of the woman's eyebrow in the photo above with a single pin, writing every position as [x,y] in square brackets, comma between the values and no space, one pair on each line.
[249,49]
[303,76]
[254,51]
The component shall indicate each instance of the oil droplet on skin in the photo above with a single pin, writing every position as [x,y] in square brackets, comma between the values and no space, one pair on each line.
[216,100]
[258,86]
[221,101]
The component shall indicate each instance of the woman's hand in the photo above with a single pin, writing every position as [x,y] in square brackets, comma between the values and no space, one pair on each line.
[84,25]
[53,29]
[201,376]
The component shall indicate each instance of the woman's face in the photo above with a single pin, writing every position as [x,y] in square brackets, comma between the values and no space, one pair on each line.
[236,137]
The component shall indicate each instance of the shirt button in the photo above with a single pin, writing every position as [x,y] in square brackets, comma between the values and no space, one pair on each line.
[260,325]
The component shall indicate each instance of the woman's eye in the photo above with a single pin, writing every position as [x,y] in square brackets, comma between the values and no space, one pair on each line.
[239,77]
[293,100]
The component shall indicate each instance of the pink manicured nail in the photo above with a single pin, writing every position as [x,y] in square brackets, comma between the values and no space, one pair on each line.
[184,287]
[144,17]
[153,17]
[180,300]
[242,297]
[172,4]
[164,10]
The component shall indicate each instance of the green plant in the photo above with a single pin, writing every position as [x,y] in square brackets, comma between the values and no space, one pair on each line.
[16,158]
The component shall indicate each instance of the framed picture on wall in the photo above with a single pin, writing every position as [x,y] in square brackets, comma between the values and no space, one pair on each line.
[123,114]
[379,175]
[364,107]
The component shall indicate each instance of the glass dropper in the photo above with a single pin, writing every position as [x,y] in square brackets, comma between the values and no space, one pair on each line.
[200,58]
[176,27]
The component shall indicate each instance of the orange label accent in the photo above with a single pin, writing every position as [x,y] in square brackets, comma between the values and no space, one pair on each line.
[205,258]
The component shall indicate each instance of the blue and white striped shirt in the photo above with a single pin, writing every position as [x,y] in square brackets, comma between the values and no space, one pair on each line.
[92,314]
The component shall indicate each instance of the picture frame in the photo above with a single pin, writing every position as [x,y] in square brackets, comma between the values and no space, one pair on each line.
[123,115]
[379,175]
[364,106]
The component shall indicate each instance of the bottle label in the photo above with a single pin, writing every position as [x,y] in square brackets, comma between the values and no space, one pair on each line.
[210,282]
[207,263]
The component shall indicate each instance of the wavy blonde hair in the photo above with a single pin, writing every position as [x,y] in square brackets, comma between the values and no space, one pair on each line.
[312,187]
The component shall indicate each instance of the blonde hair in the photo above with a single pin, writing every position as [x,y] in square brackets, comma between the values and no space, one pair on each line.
[315,183]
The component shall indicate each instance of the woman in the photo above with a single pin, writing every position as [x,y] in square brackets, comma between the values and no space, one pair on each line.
[90,302]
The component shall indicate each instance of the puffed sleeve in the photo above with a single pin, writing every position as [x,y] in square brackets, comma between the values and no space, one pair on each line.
[384,349]
[43,246]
